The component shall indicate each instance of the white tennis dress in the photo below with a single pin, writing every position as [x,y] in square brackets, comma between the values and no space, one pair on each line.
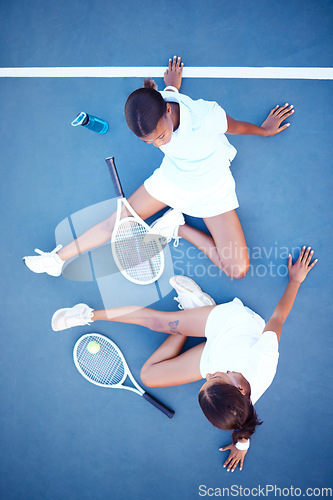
[235,343]
[194,176]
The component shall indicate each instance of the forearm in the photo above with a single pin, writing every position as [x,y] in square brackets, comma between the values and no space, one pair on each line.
[245,128]
[286,302]
[271,126]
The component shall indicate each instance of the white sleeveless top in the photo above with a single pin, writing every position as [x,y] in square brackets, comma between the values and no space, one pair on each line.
[235,342]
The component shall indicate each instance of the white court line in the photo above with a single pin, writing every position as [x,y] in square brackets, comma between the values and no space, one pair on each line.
[158,72]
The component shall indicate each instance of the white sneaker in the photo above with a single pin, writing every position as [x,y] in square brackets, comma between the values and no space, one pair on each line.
[168,225]
[190,294]
[79,315]
[45,262]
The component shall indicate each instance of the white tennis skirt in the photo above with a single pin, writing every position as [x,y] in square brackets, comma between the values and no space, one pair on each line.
[216,200]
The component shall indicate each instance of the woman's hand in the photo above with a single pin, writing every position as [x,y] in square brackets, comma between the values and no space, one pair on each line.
[235,457]
[278,114]
[173,74]
[302,266]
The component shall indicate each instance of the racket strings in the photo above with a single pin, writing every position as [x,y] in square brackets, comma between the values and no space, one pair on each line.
[138,253]
[105,367]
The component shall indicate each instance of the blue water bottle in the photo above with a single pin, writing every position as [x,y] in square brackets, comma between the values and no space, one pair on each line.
[91,122]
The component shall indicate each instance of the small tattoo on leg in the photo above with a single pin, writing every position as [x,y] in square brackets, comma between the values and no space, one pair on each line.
[173,327]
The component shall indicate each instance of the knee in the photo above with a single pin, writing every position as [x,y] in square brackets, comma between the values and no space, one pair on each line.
[237,270]
[146,375]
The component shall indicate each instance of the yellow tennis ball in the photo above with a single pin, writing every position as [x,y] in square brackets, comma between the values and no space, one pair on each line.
[93,347]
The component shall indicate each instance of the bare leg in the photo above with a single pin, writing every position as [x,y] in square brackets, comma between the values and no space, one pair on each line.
[191,322]
[225,246]
[166,366]
[142,203]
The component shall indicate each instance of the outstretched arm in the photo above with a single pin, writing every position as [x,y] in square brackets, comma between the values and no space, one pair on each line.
[271,125]
[297,274]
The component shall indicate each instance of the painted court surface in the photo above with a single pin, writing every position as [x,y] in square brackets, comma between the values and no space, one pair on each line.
[63,438]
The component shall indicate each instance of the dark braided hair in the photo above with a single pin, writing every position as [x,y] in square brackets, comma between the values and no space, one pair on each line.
[228,409]
[144,108]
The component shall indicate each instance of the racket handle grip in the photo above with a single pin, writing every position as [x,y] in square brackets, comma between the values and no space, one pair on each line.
[169,413]
[114,176]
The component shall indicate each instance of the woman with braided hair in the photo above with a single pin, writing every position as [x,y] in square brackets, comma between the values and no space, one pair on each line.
[238,360]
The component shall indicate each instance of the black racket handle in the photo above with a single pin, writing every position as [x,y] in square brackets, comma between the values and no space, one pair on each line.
[114,176]
[169,413]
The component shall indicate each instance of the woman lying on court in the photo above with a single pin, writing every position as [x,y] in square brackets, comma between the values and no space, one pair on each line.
[194,177]
[239,358]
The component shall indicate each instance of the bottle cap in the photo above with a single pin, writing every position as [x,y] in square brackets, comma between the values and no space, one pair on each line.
[81,119]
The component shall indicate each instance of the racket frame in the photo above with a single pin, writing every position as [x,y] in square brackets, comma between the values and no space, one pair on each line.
[122,201]
[123,220]
[127,373]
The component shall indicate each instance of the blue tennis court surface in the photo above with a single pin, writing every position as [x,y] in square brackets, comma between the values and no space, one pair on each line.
[63,438]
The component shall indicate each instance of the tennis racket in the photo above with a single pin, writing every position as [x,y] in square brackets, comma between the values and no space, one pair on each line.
[136,249]
[108,367]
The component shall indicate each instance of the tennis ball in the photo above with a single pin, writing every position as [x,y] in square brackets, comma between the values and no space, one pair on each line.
[93,347]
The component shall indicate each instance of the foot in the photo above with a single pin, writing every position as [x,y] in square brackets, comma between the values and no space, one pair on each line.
[79,315]
[189,293]
[168,225]
[45,262]
[173,74]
